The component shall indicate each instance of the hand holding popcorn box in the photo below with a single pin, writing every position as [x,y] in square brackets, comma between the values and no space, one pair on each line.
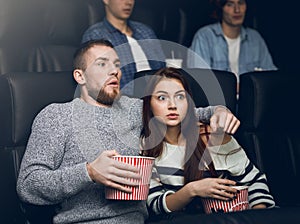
[139,192]
[240,203]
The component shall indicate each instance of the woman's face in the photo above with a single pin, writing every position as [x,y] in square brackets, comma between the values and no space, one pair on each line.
[169,102]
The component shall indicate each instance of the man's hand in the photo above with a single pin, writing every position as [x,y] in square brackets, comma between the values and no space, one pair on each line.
[224,121]
[112,173]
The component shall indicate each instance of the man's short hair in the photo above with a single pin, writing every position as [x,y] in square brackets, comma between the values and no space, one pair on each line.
[78,59]
[217,8]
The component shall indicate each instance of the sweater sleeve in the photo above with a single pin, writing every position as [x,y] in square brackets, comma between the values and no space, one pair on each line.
[205,113]
[42,180]
[156,201]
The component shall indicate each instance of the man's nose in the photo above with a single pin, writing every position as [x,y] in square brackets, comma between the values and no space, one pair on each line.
[129,2]
[114,71]
[237,8]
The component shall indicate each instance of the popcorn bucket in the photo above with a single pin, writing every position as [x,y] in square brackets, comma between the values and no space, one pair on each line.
[141,191]
[240,203]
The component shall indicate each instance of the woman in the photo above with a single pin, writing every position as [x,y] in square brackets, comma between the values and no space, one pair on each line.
[186,167]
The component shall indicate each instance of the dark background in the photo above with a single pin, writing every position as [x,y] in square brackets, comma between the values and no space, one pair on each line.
[276,21]
[26,25]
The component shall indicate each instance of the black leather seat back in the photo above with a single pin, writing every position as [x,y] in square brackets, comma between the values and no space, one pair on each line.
[270,129]
[22,96]
[42,35]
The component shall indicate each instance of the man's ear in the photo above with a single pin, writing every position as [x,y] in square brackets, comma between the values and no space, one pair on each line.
[79,76]
[105,2]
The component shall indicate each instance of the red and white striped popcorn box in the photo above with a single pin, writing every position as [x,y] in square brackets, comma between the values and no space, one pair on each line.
[240,203]
[141,191]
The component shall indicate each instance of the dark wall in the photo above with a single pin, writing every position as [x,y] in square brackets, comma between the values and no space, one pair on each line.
[278,22]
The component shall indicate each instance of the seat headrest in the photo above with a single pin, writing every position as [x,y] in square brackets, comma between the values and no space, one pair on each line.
[23,95]
[268,100]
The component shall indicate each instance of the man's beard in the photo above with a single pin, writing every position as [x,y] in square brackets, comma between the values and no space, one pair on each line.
[107,98]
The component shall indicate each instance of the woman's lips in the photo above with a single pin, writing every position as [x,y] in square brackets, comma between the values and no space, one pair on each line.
[172,116]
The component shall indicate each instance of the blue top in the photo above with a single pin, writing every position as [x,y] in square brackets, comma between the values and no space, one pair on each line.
[210,44]
[146,39]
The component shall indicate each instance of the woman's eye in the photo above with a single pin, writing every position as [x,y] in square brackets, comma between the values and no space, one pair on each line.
[161,98]
[180,97]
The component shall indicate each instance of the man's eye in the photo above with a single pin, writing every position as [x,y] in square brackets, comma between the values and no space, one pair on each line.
[118,65]
[101,64]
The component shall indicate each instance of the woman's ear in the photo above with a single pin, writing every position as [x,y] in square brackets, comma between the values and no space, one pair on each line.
[79,76]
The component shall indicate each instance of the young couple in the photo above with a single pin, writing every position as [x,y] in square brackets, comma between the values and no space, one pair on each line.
[68,160]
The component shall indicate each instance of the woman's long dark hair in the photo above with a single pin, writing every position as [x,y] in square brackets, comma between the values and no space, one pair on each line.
[152,135]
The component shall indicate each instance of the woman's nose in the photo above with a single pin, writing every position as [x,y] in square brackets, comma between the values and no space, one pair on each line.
[172,104]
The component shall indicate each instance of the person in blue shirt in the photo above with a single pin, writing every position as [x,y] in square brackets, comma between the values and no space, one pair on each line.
[228,45]
[136,43]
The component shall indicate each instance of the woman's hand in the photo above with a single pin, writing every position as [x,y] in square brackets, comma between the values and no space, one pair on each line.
[259,206]
[213,188]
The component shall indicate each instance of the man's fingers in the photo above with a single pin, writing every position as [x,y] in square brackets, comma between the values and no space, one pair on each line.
[231,124]
[125,174]
[124,181]
[224,121]
[120,187]
[213,123]
[110,153]
[124,166]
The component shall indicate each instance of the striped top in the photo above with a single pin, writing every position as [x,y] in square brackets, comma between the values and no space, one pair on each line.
[167,174]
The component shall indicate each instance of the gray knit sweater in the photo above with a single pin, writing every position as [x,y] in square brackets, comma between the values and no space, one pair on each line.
[64,138]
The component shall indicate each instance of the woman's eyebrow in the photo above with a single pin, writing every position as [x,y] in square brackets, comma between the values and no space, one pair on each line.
[161,91]
[179,91]
[165,92]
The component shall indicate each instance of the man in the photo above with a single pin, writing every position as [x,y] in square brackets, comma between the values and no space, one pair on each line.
[227,45]
[138,47]
[68,160]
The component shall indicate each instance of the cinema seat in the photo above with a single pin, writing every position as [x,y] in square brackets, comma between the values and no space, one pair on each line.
[22,96]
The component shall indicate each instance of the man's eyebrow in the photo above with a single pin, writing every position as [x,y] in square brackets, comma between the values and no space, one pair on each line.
[117,60]
[101,59]
[106,59]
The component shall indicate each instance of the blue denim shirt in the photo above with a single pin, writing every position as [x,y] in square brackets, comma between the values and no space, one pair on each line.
[209,43]
[142,33]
